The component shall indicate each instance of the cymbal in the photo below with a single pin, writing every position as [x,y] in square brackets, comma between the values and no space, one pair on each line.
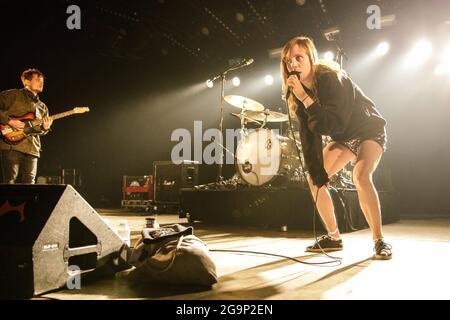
[241,102]
[267,115]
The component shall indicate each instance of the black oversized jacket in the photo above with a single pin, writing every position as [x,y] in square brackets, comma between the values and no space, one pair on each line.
[341,111]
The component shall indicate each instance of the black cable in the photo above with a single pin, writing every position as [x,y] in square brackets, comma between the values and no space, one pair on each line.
[333,258]
[336,259]
[276,255]
[347,212]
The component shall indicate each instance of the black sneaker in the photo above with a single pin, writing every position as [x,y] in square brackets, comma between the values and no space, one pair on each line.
[383,250]
[325,243]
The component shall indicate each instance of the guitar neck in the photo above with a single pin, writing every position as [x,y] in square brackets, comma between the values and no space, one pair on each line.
[54,117]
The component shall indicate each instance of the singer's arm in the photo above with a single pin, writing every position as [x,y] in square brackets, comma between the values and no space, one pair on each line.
[331,113]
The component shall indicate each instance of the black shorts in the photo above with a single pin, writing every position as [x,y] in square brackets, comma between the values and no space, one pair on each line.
[355,144]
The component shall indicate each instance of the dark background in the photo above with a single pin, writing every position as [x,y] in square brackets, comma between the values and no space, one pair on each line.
[141,67]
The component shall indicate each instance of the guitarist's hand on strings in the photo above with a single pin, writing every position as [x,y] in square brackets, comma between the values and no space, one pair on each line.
[46,123]
[16,124]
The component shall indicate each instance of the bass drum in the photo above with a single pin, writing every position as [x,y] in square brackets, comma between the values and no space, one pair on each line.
[262,156]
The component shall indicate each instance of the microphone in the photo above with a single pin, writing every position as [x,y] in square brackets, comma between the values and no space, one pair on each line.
[247,62]
[242,64]
[292,73]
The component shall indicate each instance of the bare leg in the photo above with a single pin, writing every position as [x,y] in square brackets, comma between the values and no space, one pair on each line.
[335,157]
[368,158]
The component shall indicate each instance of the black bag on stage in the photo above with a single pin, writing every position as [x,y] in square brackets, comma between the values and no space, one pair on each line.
[171,255]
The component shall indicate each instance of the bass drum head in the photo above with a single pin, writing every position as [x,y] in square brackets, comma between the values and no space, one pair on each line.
[258,157]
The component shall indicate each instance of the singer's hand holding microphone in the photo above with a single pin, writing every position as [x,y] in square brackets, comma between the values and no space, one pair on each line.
[295,86]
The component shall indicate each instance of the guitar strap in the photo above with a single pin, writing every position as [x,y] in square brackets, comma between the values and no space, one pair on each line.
[38,112]
[41,110]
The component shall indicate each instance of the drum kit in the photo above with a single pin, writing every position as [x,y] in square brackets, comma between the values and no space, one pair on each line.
[262,155]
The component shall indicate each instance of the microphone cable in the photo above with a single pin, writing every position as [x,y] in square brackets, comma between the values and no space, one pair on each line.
[314,199]
[333,259]
[337,261]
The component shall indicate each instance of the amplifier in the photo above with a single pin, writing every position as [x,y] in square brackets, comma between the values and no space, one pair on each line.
[137,188]
[170,177]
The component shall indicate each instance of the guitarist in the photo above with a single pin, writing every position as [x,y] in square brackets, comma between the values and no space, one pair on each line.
[14,103]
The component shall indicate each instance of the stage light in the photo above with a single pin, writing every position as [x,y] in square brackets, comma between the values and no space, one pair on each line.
[382,48]
[331,34]
[388,20]
[209,83]
[268,79]
[301,3]
[236,81]
[441,69]
[328,56]
[274,53]
[205,31]
[421,51]
[447,53]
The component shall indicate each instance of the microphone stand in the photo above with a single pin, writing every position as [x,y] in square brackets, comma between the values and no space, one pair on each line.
[339,49]
[340,55]
[222,99]
[222,76]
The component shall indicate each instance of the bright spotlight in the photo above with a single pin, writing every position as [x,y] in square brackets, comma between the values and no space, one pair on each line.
[447,54]
[422,50]
[329,56]
[209,83]
[236,81]
[440,69]
[382,48]
[268,79]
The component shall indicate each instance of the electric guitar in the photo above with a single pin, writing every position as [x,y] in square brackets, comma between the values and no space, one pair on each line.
[12,136]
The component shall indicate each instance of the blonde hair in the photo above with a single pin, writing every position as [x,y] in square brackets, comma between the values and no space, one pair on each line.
[317,66]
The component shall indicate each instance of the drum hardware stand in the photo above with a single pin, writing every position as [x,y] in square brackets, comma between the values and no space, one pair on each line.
[281,123]
[244,131]
[344,182]
[266,114]
[224,148]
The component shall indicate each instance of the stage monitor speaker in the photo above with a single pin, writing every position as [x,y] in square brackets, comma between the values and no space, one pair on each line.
[47,231]
[170,178]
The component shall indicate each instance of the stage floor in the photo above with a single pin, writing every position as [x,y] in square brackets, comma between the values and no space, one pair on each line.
[418,269]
